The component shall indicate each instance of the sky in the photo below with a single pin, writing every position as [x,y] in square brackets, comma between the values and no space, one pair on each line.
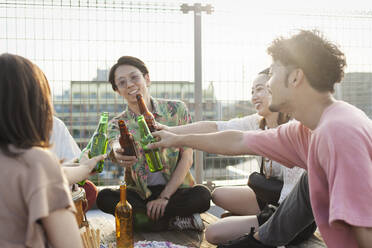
[70,43]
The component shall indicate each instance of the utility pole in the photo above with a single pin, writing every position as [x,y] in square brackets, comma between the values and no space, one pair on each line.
[198,93]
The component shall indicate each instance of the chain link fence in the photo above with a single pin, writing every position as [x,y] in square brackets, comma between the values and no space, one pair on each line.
[76,42]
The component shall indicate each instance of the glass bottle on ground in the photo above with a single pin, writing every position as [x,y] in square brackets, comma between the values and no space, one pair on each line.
[124,220]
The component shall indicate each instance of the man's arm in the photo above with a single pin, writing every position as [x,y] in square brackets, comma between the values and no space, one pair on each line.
[197,128]
[363,235]
[225,143]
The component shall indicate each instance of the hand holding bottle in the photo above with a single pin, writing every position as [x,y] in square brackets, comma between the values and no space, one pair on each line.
[76,172]
[159,126]
[89,164]
[123,160]
[165,140]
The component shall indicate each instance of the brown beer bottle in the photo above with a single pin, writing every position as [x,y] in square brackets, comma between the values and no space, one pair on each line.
[149,118]
[124,221]
[126,142]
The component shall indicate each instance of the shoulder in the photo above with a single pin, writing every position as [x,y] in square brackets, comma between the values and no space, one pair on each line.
[294,128]
[58,122]
[43,158]
[40,167]
[343,132]
[59,127]
[170,103]
[344,122]
[172,108]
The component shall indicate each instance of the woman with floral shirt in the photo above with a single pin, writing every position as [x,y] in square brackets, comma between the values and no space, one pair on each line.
[169,197]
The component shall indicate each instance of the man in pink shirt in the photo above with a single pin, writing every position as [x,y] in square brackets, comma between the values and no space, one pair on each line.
[331,139]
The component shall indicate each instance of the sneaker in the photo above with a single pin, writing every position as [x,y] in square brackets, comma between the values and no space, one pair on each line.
[247,241]
[193,222]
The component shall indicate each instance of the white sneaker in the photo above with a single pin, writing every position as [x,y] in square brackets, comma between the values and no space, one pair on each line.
[193,222]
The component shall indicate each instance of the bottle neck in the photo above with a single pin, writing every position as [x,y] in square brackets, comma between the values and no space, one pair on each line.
[123,130]
[123,193]
[102,128]
[142,105]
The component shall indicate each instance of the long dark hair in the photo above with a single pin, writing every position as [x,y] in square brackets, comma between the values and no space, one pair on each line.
[26,113]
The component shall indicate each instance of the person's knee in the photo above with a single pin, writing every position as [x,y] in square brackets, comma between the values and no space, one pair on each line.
[90,193]
[217,195]
[102,201]
[204,197]
[211,235]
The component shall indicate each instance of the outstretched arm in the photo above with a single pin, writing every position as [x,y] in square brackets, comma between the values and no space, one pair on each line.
[196,127]
[225,143]
[81,171]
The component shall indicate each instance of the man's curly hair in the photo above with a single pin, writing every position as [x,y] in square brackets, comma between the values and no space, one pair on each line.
[321,61]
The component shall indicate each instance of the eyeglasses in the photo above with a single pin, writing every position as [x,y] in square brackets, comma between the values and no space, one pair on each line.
[122,83]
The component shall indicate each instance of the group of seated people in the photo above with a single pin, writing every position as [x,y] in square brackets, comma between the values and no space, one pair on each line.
[320,148]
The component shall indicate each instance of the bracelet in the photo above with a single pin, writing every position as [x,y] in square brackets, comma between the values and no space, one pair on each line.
[164,197]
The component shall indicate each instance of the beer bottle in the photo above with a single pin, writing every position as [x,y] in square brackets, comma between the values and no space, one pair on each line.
[99,141]
[97,144]
[126,142]
[152,155]
[149,118]
[124,220]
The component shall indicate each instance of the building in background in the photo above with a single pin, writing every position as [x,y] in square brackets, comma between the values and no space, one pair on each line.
[356,89]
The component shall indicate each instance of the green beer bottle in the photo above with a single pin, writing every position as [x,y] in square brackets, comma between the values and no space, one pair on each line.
[99,141]
[152,155]
[97,144]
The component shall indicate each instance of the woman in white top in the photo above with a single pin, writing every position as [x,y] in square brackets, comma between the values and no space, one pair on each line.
[242,200]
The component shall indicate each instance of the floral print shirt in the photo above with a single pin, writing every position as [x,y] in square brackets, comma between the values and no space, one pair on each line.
[167,112]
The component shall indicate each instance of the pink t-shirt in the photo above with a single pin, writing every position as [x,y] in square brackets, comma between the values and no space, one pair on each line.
[338,156]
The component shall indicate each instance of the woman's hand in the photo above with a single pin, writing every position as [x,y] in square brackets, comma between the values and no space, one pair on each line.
[123,160]
[85,156]
[81,171]
[156,208]
[89,164]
